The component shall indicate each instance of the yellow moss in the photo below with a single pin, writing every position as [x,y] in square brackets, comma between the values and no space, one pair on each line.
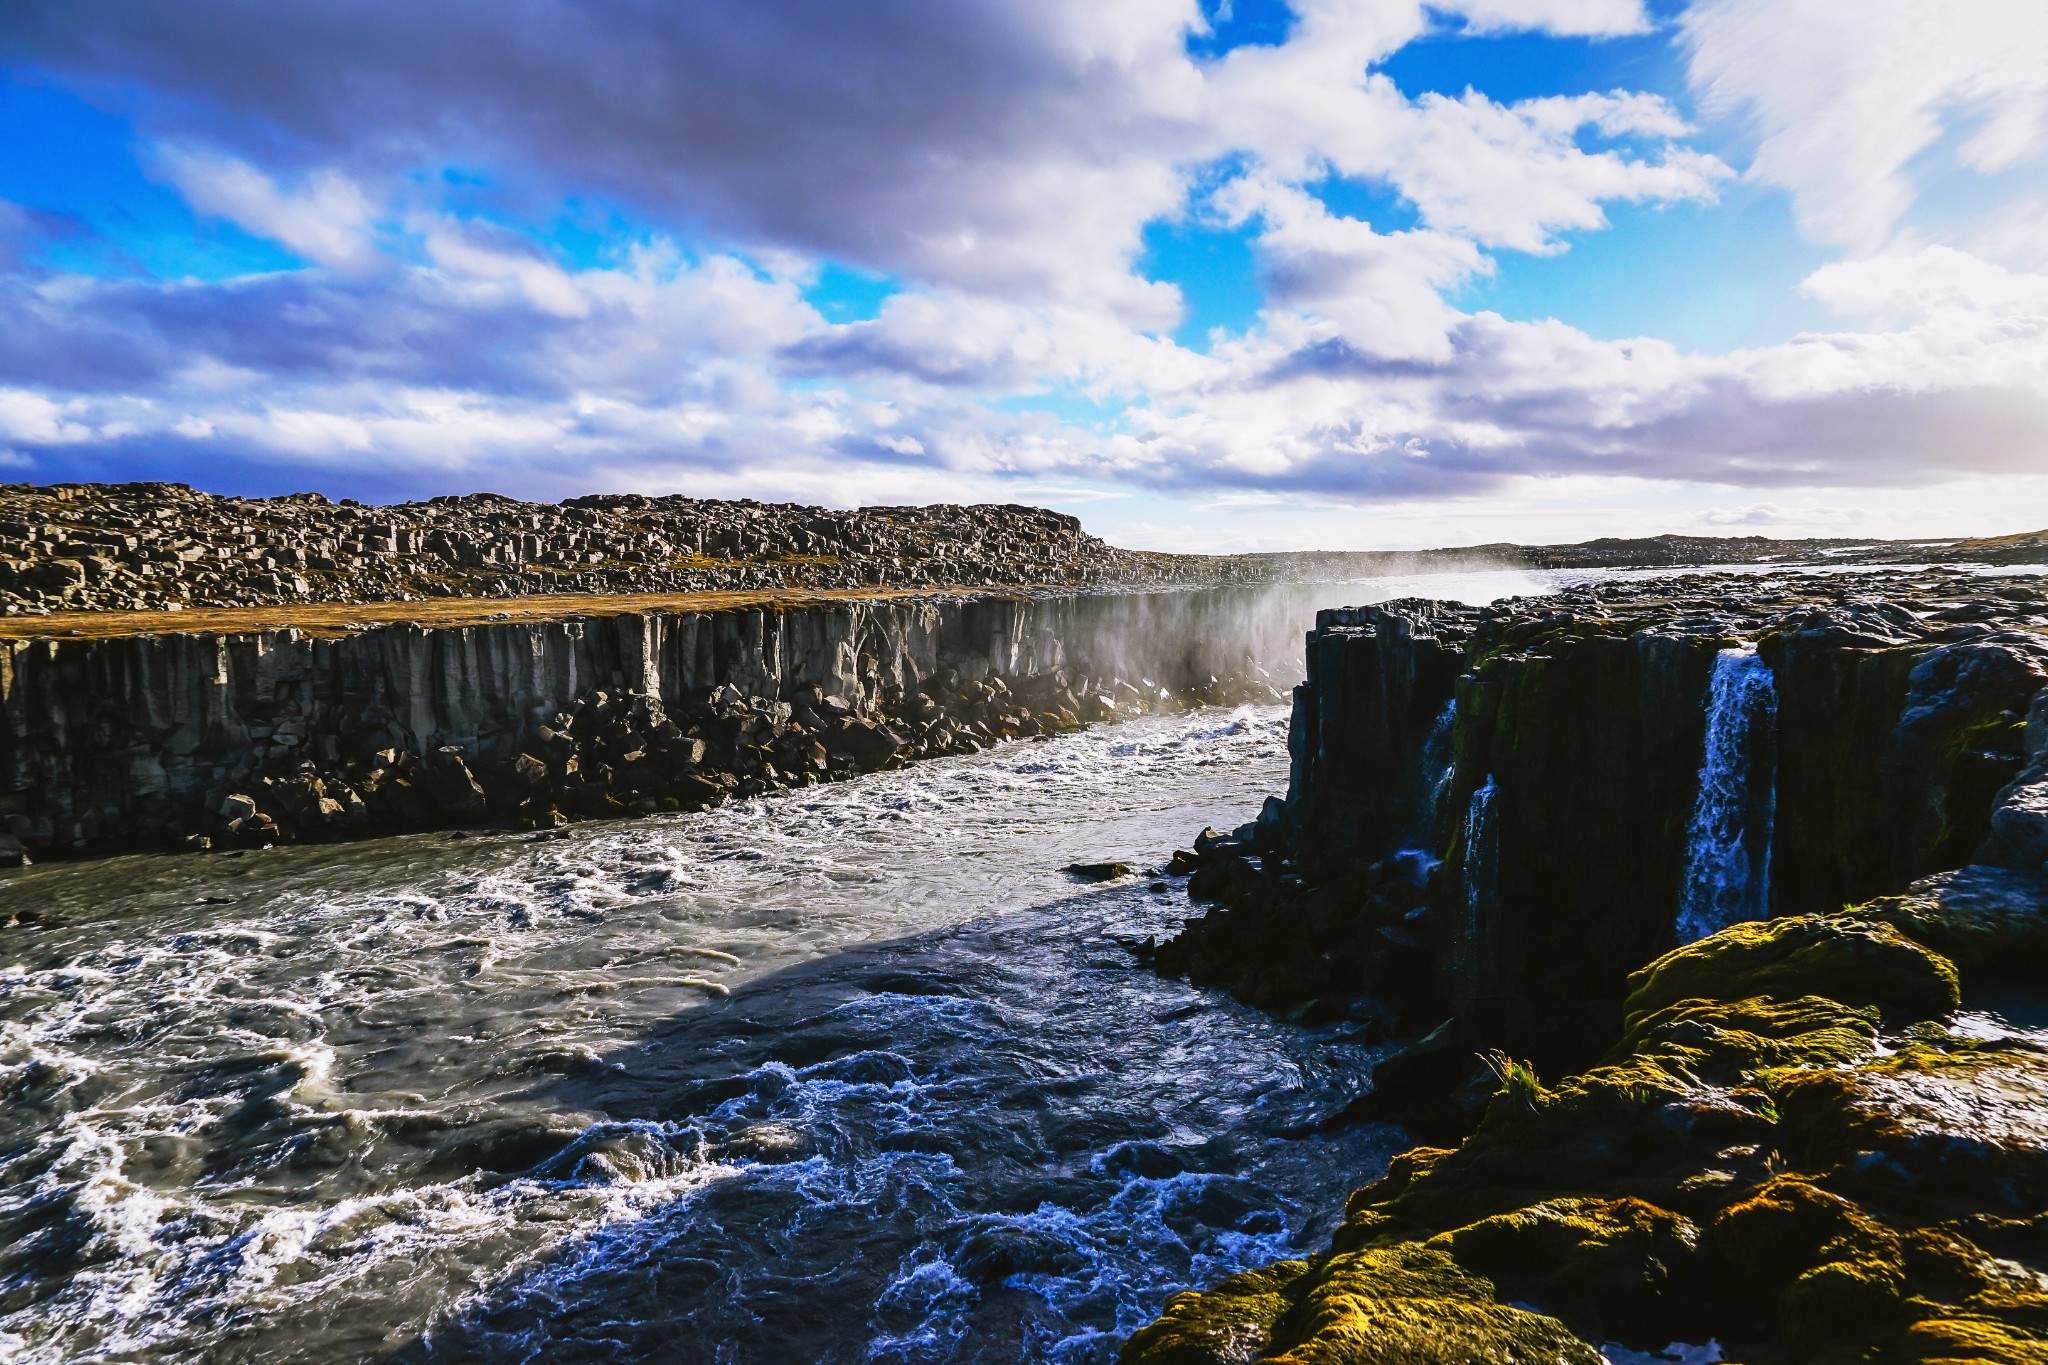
[1231,1323]
[1410,1305]
[1593,1261]
[1401,1305]
[1849,961]
[1967,1338]
[1722,1042]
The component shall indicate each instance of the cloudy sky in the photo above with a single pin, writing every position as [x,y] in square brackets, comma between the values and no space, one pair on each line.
[1210,273]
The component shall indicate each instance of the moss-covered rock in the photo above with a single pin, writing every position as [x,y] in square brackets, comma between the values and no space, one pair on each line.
[1957,1119]
[1607,1267]
[1852,962]
[1398,1305]
[1721,1042]
[1231,1323]
[1810,1260]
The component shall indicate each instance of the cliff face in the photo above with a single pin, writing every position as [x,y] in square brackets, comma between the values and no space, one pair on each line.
[1614,832]
[153,740]
[1516,792]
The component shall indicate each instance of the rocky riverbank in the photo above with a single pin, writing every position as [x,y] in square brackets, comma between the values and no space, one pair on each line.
[231,740]
[1797,1150]
[1614,832]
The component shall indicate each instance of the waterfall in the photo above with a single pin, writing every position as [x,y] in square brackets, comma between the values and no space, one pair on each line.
[1728,843]
[1479,865]
[1421,836]
[1437,762]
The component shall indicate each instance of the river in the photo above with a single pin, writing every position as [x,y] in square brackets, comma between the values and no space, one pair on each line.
[854,1073]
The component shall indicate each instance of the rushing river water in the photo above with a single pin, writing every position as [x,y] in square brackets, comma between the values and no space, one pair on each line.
[855,1073]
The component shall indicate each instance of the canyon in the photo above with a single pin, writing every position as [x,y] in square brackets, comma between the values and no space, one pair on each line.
[1686,900]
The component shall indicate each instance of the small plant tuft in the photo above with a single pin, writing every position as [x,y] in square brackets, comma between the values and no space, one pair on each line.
[1516,1080]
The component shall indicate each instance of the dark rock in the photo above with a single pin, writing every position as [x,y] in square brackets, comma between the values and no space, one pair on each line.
[1098,872]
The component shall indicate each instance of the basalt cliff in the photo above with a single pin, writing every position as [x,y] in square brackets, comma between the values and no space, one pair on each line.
[236,739]
[1709,917]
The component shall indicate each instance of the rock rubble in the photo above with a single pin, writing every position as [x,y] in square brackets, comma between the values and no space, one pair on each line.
[156,546]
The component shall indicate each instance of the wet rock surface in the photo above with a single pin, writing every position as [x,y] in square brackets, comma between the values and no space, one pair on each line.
[1815,1135]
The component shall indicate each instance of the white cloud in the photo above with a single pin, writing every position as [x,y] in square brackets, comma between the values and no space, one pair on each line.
[1002,159]
[33,419]
[1591,18]
[1902,286]
[1381,292]
[327,219]
[1843,98]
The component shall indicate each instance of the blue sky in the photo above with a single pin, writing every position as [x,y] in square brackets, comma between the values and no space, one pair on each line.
[1345,272]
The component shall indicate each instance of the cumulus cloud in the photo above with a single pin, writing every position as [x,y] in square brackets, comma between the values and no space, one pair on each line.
[1382,292]
[1002,160]
[1586,18]
[1010,146]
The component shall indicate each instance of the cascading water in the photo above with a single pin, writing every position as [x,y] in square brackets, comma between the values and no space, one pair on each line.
[1481,857]
[1728,843]
[1433,784]
[1437,765]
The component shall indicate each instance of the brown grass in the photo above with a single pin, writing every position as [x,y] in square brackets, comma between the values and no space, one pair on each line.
[332,619]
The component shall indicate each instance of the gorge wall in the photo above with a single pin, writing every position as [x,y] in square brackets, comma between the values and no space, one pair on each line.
[1756,872]
[1508,804]
[201,739]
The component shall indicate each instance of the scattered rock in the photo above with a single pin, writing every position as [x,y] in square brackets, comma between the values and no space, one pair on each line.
[1098,872]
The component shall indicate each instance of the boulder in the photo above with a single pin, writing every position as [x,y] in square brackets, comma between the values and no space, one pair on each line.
[1841,958]
[452,786]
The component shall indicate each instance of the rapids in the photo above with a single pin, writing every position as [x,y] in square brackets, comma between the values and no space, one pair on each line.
[854,1073]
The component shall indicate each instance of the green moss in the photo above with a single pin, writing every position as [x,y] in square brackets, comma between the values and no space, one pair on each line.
[1605,1265]
[1412,1305]
[1813,1260]
[1852,962]
[1958,1119]
[1717,1042]
[1232,1322]
[1978,1338]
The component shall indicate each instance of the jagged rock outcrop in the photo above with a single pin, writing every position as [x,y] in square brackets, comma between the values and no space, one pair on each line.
[154,741]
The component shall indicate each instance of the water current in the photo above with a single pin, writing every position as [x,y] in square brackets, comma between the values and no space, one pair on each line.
[854,1073]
